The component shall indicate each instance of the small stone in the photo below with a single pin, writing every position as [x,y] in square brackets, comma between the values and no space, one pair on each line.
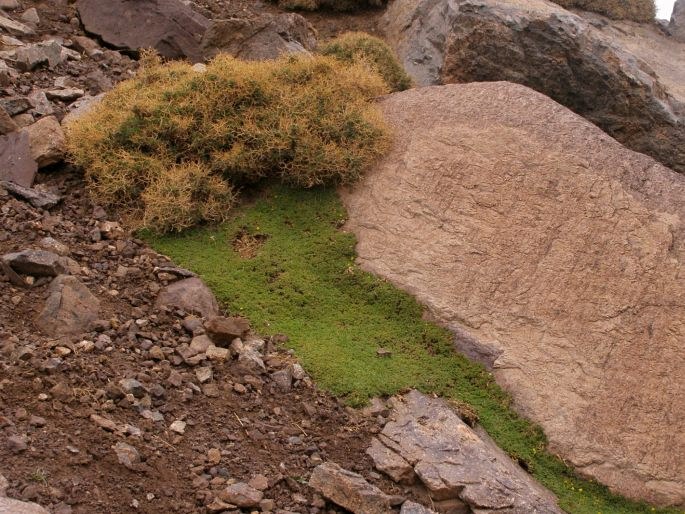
[239,388]
[156,353]
[214,456]
[17,443]
[47,141]
[383,353]
[178,426]
[217,354]
[105,423]
[65,95]
[224,330]
[30,16]
[37,421]
[175,379]
[200,344]
[409,507]
[283,379]
[242,495]
[86,346]
[62,351]
[132,386]
[4,485]
[259,482]
[204,374]
[298,372]
[127,455]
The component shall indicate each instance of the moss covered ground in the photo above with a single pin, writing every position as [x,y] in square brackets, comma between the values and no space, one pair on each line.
[284,262]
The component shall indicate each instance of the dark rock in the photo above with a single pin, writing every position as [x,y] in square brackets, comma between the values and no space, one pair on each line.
[224,330]
[16,162]
[349,490]
[38,198]
[190,295]
[242,495]
[69,309]
[15,105]
[169,26]
[40,263]
[47,141]
[549,49]
[257,38]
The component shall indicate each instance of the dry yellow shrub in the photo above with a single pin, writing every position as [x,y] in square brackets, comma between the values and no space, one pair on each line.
[170,147]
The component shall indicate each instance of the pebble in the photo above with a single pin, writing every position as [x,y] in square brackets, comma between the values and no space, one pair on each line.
[178,426]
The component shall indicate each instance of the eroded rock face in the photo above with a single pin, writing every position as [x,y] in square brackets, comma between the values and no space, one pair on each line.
[169,26]
[543,46]
[454,463]
[264,37]
[556,255]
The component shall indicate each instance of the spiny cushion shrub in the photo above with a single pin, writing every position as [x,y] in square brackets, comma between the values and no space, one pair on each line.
[636,10]
[170,147]
[335,5]
[358,46]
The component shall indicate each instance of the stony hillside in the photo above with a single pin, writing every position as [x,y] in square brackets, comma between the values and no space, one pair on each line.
[251,363]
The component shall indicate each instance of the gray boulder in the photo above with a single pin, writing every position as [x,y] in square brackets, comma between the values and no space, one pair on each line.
[554,51]
[453,462]
[190,295]
[266,36]
[169,26]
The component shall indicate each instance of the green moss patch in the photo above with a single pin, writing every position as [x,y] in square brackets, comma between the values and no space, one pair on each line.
[299,278]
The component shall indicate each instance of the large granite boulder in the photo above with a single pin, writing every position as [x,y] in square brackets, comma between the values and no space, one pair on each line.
[266,36]
[556,256]
[169,26]
[455,463]
[561,54]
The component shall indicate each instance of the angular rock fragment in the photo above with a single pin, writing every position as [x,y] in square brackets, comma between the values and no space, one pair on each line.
[677,25]
[48,144]
[39,263]
[7,124]
[349,490]
[169,26]
[224,330]
[36,197]
[242,495]
[390,463]
[14,27]
[190,295]
[127,455]
[266,36]
[16,159]
[69,308]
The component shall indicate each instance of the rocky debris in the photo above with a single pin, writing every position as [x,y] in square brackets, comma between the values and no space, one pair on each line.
[594,235]
[69,308]
[47,141]
[16,159]
[350,490]
[453,462]
[10,506]
[169,26]
[266,36]
[242,495]
[223,331]
[35,196]
[677,25]
[543,46]
[189,295]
